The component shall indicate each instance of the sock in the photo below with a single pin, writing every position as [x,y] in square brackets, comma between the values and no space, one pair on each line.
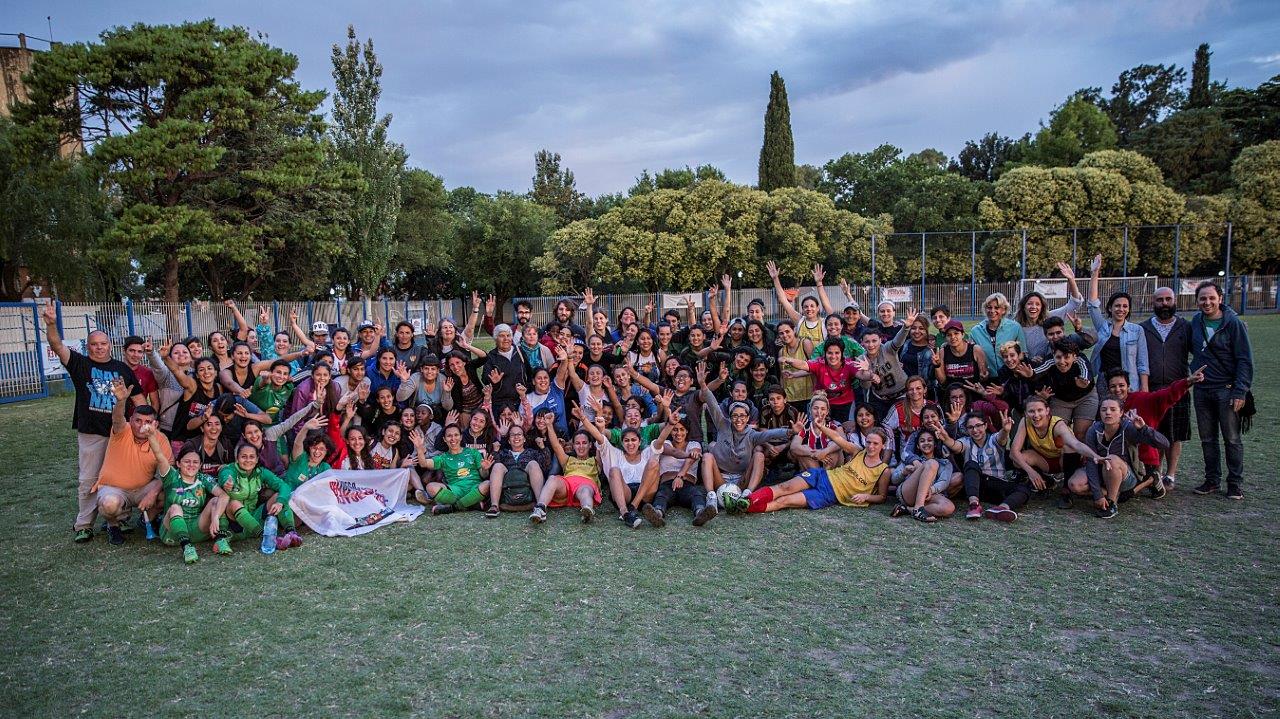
[446,496]
[760,499]
[470,499]
[539,505]
[245,518]
[178,525]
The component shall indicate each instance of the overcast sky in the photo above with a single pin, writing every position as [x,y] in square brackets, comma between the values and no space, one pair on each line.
[477,87]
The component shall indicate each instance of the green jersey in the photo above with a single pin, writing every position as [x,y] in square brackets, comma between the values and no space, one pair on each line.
[852,349]
[269,398]
[300,470]
[244,488]
[191,497]
[460,468]
[648,433]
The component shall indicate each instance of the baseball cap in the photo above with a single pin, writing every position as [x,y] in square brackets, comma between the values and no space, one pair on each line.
[365,325]
[953,325]
[320,327]
[853,306]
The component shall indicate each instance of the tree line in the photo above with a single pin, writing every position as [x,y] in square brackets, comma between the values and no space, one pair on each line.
[210,172]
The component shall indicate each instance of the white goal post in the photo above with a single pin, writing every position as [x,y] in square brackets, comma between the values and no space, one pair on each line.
[1055,288]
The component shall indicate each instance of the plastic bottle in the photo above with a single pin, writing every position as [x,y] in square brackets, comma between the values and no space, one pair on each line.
[269,535]
[151,531]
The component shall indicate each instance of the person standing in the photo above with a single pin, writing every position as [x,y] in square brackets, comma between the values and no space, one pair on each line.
[1168,348]
[1220,348]
[92,376]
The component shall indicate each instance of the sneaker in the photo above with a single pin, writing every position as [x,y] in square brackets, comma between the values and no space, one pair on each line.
[632,519]
[538,515]
[588,514]
[1064,501]
[653,514]
[222,546]
[711,500]
[422,497]
[189,553]
[492,512]
[1158,490]
[82,536]
[1001,514]
[1209,487]
[293,538]
[128,524]
[282,543]
[736,505]
[1168,481]
[1109,513]
[1234,492]
[704,515]
[438,509]
[975,511]
[114,535]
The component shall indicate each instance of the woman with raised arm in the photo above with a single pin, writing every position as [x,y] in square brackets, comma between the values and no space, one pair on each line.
[808,325]
[463,469]
[860,482]
[924,478]
[1121,343]
[996,330]
[578,485]
[1032,313]
[194,506]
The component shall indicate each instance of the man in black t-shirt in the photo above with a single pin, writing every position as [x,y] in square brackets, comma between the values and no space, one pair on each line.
[92,377]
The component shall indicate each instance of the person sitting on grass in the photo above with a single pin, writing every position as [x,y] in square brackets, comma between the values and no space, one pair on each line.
[464,471]
[675,474]
[243,481]
[1039,444]
[924,478]
[986,473]
[310,447]
[812,448]
[732,457]
[130,469]
[194,507]
[624,467]
[862,481]
[521,462]
[1151,407]
[578,485]
[1115,438]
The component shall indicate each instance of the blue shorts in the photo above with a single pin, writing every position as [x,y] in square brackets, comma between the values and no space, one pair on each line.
[820,493]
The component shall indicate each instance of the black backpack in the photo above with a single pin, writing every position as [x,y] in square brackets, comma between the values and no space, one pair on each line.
[517,492]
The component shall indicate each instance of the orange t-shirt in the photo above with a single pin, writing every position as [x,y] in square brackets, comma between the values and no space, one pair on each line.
[129,464]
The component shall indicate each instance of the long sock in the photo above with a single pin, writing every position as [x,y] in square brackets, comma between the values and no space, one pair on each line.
[470,499]
[245,518]
[178,525]
[446,496]
[760,499]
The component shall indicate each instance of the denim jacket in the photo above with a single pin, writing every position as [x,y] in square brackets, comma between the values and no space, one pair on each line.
[1133,346]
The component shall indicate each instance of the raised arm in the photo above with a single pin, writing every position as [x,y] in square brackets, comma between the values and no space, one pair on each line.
[781,292]
[300,440]
[727,281]
[121,392]
[50,315]
[242,325]
[819,275]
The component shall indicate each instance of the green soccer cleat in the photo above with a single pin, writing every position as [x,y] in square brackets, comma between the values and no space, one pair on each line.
[189,554]
[222,546]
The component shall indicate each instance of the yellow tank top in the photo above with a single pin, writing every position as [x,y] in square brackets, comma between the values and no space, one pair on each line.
[574,467]
[816,333]
[797,389]
[854,477]
[1048,445]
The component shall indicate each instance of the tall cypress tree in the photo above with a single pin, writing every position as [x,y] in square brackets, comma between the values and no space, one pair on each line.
[1200,95]
[778,154]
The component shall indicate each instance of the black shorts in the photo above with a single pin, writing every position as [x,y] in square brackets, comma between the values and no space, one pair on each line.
[1176,424]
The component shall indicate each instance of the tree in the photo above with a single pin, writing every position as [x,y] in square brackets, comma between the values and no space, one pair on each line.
[675,179]
[1255,208]
[360,139]
[1076,128]
[1144,95]
[556,188]
[1254,114]
[778,153]
[498,236]
[424,227]
[1200,95]
[1193,148]
[982,161]
[203,138]
[808,176]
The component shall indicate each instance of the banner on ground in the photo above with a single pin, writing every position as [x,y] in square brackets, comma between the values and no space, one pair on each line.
[348,503]
[895,294]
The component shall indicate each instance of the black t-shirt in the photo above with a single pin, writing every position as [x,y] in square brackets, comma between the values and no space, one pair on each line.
[1110,355]
[94,398]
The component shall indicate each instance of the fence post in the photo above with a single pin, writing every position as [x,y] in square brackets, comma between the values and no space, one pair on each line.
[311,320]
[1075,242]
[973,272]
[1124,283]
[1177,249]
[1244,294]
[57,304]
[922,261]
[1227,269]
[275,314]
[1024,253]
[386,314]
[128,311]
[873,271]
[190,328]
[337,322]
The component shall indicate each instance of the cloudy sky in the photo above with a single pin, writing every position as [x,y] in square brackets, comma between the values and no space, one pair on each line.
[477,87]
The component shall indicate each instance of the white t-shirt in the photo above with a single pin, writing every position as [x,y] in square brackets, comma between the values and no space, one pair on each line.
[615,458]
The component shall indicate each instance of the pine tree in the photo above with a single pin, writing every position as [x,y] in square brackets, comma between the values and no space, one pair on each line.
[555,187]
[1200,94]
[778,154]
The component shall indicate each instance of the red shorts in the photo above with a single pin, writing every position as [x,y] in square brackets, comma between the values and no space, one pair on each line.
[572,484]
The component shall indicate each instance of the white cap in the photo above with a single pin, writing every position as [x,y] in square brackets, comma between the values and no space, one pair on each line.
[320,328]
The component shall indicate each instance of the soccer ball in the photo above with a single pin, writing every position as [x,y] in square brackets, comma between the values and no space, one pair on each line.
[727,490]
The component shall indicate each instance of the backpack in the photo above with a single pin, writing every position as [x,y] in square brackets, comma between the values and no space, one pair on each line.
[517,492]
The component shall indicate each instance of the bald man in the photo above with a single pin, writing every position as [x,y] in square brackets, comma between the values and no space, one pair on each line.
[93,377]
[1168,350]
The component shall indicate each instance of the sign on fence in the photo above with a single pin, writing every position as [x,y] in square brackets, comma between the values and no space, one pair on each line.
[895,294]
[682,301]
[1188,287]
[1052,289]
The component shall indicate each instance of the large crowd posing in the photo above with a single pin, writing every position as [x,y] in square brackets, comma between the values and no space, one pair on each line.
[726,411]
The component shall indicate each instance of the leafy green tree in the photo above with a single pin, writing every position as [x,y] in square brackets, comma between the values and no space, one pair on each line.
[212,152]
[778,153]
[675,179]
[1144,95]
[1255,208]
[983,160]
[496,239]
[1255,114]
[1076,128]
[570,255]
[1193,148]
[555,187]
[808,176]
[1200,95]
[424,236]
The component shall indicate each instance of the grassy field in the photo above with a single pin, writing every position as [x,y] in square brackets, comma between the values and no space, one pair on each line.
[1168,610]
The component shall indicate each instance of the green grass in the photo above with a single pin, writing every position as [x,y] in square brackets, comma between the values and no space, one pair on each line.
[1168,610]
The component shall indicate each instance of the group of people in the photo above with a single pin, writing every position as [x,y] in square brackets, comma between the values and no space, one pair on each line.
[208,437]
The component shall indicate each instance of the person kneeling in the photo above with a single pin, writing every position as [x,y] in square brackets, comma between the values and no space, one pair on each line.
[244,481]
[862,481]
[130,468]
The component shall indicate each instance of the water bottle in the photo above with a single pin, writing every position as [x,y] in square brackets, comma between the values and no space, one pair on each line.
[269,535]
[151,531]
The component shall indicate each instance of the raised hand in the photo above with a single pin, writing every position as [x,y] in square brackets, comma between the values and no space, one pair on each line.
[487,463]
[1096,265]
[362,392]
[121,390]
[724,372]
[49,313]
[665,398]
[772,268]
[1006,422]
[504,426]
[402,371]
[797,427]
[521,391]
[701,373]
[912,315]
[588,296]
[475,301]
[1066,270]
[147,346]
[1045,393]
[293,315]
[495,377]
[1196,377]
[417,437]
[490,305]
[727,280]
[229,304]
[1074,319]
[263,316]
[448,384]
[844,286]
[1137,420]
[451,418]
[316,422]
[819,274]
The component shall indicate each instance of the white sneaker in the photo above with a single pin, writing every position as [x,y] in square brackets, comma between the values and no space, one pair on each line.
[538,515]
[746,494]
[1168,481]
[711,499]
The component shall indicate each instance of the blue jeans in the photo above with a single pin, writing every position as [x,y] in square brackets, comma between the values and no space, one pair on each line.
[1213,416]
